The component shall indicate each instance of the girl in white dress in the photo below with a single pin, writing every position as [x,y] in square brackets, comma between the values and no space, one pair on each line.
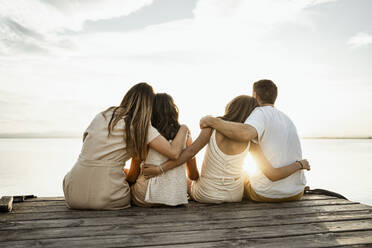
[97,181]
[169,188]
[222,177]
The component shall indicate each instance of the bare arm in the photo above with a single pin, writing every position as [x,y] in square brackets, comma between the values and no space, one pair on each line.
[203,138]
[191,168]
[134,171]
[275,174]
[233,130]
[171,150]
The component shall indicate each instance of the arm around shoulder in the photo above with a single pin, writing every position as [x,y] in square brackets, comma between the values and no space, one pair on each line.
[276,174]
[171,150]
[191,151]
[236,131]
[203,138]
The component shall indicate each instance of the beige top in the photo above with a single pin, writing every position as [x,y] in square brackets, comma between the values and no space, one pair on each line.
[221,177]
[97,180]
[169,188]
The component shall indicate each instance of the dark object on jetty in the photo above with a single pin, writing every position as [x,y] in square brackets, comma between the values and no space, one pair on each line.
[22,198]
[323,192]
[314,221]
[6,203]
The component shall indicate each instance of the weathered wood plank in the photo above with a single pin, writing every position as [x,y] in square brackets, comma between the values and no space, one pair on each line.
[21,208]
[59,201]
[40,199]
[47,222]
[203,213]
[344,239]
[197,236]
[252,221]
[184,213]
[103,226]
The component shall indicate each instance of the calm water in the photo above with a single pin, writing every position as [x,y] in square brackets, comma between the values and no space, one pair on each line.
[37,166]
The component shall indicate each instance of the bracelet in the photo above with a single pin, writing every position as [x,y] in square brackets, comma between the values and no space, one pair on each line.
[161,169]
[302,166]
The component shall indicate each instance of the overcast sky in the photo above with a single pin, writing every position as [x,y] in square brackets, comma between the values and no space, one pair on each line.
[61,62]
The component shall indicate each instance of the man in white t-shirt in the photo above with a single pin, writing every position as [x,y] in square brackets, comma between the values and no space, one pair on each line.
[278,139]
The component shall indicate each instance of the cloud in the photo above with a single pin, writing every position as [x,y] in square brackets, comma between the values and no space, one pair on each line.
[35,25]
[216,25]
[360,39]
[43,26]
[55,15]
[225,45]
[256,11]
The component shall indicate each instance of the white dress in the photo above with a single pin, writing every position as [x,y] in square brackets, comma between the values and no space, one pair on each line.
[221,177]
[169,188]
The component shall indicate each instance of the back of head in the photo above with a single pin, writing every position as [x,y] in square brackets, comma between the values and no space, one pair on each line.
[238,109]
[136,110]
[266,91]
[165,116]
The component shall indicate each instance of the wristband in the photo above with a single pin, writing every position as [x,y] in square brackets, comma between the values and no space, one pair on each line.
[302,166]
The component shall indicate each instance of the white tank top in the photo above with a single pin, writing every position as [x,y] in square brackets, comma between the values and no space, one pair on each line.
[222,177]
[222,166]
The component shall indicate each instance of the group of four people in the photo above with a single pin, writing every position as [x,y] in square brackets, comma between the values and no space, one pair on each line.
[163,171]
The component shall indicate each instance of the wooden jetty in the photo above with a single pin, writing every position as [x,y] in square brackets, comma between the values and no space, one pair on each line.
[315,221]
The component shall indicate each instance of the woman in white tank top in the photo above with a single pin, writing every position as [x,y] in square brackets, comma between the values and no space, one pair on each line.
[169,188]
[222,177]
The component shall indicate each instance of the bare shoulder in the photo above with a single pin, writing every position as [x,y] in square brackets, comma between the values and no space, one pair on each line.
[229,146]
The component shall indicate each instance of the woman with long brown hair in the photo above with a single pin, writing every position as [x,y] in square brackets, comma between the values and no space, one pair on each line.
[114,136]
[222,177]
[169,188]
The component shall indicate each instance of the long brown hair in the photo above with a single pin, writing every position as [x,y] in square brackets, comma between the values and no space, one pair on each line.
[136,110]
[165,116]
[239,108]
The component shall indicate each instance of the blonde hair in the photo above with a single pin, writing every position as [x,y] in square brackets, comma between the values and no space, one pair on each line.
[136,110]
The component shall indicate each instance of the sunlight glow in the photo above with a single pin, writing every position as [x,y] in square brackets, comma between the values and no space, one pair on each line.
[250,165]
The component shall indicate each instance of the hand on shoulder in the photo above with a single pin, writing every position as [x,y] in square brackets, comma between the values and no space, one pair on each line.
[206,121]
[184,127]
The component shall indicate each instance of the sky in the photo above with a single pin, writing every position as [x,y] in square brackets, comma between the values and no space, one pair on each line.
[62,62]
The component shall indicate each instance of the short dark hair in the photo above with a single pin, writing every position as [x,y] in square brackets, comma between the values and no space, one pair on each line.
[266,90]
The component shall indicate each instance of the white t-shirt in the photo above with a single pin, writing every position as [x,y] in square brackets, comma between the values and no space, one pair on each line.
[278,139]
